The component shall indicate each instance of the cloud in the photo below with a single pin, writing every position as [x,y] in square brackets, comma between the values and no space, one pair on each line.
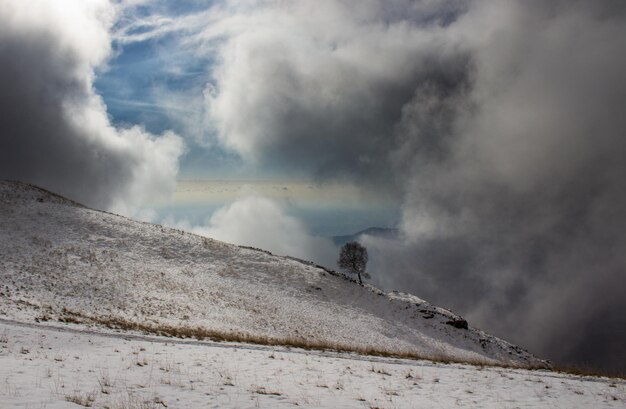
[263,223]
[499,127]
[321,87]
[517,218]
[55,128]
[525,210]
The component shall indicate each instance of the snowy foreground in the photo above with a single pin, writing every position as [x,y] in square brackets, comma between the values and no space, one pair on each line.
[41,367]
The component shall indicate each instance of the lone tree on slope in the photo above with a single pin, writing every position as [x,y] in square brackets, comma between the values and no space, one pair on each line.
[353,257]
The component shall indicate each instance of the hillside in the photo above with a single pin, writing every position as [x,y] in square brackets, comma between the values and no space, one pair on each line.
[60,261]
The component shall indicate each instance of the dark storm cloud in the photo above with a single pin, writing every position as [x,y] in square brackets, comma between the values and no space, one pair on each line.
[55,130]
[500,124]
[523,224]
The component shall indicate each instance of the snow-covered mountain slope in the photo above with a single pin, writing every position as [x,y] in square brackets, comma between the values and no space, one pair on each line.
[60,261]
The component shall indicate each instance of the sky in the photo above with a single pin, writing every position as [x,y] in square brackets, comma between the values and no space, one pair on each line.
[489,133]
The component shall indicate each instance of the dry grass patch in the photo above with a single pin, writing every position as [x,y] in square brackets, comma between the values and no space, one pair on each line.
[82,399]
[201,333]
[262,390]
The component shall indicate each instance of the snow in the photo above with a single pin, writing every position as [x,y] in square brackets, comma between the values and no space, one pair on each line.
[46,367]
[61,262]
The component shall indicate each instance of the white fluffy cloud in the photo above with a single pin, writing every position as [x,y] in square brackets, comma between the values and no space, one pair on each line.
[263,223]
[320,86]
[55,128]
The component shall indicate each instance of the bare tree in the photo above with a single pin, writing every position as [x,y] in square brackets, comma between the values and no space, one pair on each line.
[353,257]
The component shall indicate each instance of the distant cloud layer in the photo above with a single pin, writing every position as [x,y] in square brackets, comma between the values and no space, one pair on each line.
[499,124]
[55,129]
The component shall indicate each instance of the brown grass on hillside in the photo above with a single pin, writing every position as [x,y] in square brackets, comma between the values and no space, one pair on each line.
[201,333]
